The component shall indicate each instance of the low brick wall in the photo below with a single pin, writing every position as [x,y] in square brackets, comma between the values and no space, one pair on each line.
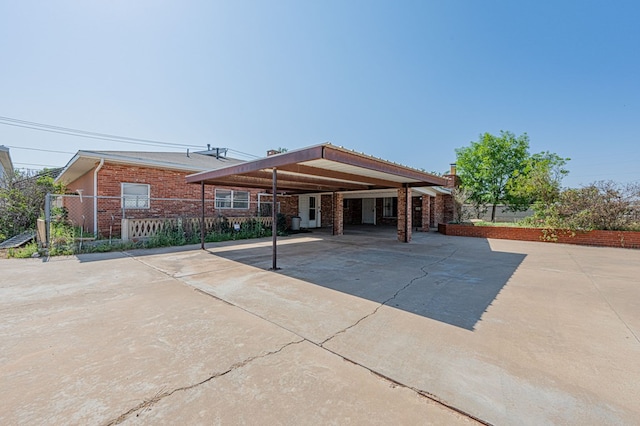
[623,239]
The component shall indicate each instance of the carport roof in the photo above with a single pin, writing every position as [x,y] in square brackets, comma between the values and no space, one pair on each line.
[320,168]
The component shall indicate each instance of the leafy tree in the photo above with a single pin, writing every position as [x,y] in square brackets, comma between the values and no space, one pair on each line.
[486,166]
[22,201]
[539,183]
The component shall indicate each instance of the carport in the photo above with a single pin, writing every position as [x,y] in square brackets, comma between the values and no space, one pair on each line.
[322,168]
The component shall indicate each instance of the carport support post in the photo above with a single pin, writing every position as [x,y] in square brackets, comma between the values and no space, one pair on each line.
[404,214]
[202,218]
[338,214]
[425,210]
[274,219]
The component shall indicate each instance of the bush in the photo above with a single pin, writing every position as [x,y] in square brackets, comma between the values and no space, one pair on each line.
[22,198]
[603,205]
[23,252]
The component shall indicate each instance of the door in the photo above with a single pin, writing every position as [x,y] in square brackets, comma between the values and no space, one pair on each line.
[309,211]
[314,216]
[369,211]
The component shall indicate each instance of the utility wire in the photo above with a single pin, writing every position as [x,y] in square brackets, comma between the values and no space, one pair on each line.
[112,139]
[38,149]
[38,165]
[243,153]
[8,121]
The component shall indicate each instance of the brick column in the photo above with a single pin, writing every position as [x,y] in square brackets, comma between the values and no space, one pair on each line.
[404,215]
[444,208]
[338,216]
[426,209]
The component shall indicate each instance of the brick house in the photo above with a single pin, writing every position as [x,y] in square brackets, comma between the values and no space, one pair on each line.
[335,187]
[142,185]
[137,185]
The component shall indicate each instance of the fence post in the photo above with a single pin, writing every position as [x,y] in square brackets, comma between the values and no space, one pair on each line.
[47,218]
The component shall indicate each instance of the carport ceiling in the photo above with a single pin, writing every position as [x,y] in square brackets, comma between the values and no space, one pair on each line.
[320,168]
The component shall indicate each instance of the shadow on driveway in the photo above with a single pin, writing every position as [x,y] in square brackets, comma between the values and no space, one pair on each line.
[447,279]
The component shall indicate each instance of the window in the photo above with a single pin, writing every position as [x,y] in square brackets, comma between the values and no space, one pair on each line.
[390,207]
[135,195]
[228,199]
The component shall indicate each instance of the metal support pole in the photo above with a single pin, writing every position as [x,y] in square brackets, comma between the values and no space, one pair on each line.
[274,219]
[406,213]
[47,219]
[202,218]
[333,213]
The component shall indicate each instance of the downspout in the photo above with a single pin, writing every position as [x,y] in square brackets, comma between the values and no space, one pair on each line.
[95,197]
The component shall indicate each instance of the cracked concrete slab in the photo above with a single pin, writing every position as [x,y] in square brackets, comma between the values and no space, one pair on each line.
[353,329]
[314,312]
[88,341]
[302,384]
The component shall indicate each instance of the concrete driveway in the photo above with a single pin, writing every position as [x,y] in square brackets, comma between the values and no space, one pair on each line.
[356,329]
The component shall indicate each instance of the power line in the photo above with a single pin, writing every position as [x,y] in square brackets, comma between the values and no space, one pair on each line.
[32,125]
[38,149]
[37,165]
[243,153]
[8,121]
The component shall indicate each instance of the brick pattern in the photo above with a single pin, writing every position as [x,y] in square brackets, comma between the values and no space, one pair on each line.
[171,185]
[443,211]
[621,239]
[168,184]
[288,205]
[353,211]
[404,219]
[326,206]
[338,217]
[432,212]
[426,213]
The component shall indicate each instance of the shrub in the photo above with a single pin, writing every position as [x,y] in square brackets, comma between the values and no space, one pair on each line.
[602,205]
[23,252]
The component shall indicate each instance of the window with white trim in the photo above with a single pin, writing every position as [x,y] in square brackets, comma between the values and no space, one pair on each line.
[135,195]
[230,199]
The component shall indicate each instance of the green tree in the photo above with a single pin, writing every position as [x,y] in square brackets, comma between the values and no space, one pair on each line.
[22,201]
[539,183]
[486,166]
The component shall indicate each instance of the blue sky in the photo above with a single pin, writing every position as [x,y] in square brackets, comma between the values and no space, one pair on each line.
[408,81]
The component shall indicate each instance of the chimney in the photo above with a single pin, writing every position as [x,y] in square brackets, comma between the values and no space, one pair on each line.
[453,181]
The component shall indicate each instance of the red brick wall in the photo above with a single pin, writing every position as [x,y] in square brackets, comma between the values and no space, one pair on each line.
[338,218]
[288,205]
[426,213]
[352,213]
[326,205]
[432,212]
[404,219]
[624,239]
[168,184]
[164,183]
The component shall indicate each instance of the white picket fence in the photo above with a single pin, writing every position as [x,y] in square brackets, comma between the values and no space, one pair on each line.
[137,229]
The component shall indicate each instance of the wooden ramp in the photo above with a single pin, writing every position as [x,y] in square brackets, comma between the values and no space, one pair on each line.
[18,240]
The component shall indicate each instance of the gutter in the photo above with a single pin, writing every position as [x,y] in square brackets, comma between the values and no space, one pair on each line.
[95,197]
